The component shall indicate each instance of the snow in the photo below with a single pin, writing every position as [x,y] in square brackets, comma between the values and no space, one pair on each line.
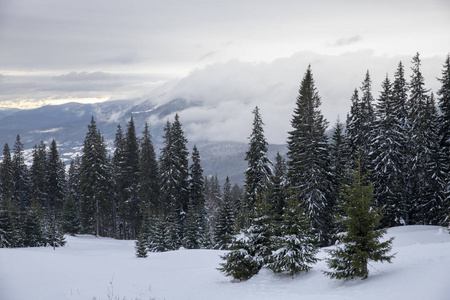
[100,268]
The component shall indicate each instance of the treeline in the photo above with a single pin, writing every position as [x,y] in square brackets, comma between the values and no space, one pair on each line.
[401,141]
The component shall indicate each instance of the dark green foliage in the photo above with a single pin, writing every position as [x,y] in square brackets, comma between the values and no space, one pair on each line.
[55,182]
[295,247]
[251,248]
[278,189]
[225,223]
[70,222]
[141,247]
[20,176]
[388,158]
[34,235]
[240,261]
[361,240]
[38,176]
[95,191]
[257,175]
[148,175]
[6,175]
[308,160]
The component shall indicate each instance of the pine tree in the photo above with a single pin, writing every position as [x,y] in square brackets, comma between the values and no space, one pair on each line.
[213,200]
[8,232]
[225,224]
[38,176]
[361,240]
[174,177]
[129,182]
[250,250]
[141,247]
[20,175]
[95,184]
[257,175]
[33,232]
[278,189]
[308,164]
[6,176]
[387,158]
[423,167]
[149,175]
[444,135]
[70,222]
[55,182]
[295,247]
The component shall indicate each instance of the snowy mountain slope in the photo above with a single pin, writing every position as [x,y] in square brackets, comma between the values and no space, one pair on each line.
[100,268]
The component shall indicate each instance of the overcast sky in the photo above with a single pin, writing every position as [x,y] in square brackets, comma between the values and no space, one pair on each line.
[230,54]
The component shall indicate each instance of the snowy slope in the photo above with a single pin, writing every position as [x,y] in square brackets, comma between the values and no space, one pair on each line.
[101,268]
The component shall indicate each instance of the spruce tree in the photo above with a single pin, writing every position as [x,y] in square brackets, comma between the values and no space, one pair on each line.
[444,136]
[55,183]
[295,247]
[387,160]
[308,160]
[20,175]
[129,182]
[34,235]
[257,175]
[6,176]
[95,184]
[38,176]
[225,224]
[148,175]
[360,243]
[70,222]
[278,189]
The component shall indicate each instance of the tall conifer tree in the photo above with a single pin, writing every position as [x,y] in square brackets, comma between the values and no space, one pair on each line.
[308,164]
[257,175]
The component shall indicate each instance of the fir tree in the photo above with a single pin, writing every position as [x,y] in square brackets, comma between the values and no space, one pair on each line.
[295,247]
[33,231]
[70,222]
[20,175]
[444,135]
[38,175]
[251,248]
[141,247]
[55,182]
[6,176]
[148,174]
[225,224]
[361,240]
[129,182]
[257,175]
[388,158]
[95,184]
[278,189]
[308,164]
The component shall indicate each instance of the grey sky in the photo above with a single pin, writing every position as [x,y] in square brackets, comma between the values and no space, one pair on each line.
[224,52]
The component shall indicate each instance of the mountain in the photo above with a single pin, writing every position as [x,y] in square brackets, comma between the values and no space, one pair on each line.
[67,124]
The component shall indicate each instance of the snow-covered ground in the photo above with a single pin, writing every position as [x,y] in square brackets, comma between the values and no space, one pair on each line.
[99,268]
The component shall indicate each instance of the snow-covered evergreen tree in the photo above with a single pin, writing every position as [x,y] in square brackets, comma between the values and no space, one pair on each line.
[308,159]
[444,136]
[295,248]
[257,175]
[33,231]
[20,176]
[278,188]
[38,177]
[225,224]
[95,180]
[387,159]
[70,222]
[149,175]
[55,183]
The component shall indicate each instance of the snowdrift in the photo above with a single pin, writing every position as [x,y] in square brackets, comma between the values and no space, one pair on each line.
[100,268]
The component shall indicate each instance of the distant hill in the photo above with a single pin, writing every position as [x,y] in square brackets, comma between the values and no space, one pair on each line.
[67,124]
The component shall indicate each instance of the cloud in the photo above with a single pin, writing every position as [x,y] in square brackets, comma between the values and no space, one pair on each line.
[208,55]
[230,91]
[346,41]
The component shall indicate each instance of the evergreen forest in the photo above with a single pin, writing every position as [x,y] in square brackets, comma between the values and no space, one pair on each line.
[387,164]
